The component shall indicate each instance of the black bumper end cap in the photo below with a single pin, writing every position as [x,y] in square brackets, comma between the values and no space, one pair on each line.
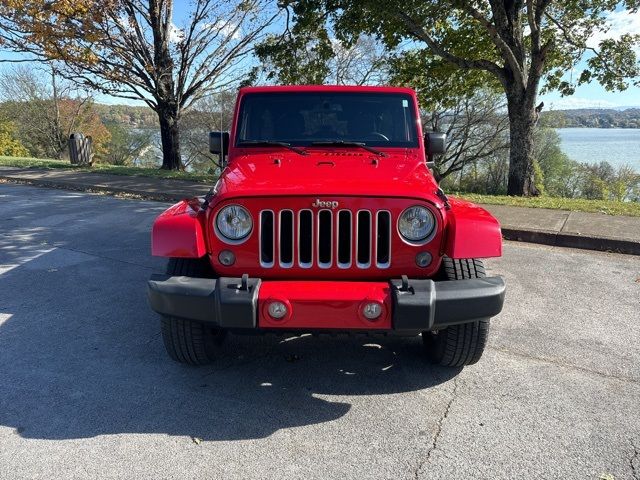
[424,305]
[204,299]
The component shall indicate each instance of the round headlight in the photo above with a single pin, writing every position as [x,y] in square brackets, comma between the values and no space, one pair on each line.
[416,223]
[234,222]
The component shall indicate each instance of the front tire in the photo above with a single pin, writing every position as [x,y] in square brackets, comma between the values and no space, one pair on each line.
[189,341]
[458,345]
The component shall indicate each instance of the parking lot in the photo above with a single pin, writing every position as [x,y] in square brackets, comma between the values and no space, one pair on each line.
[87,391]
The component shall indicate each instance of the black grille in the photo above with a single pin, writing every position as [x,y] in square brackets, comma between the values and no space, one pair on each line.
[305,238]
[325,237]
[383,242]
[364,239]
[286,238]
[345,234]
[266,238]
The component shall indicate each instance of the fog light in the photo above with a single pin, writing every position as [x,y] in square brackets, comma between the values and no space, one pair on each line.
[227,258]
[372,310]
[277,310]
[423,259]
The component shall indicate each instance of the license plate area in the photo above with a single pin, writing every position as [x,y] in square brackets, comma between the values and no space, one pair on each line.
[326,305]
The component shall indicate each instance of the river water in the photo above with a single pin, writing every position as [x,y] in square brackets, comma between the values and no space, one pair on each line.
[618,146]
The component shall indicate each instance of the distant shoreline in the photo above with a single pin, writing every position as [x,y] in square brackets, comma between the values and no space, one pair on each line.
[628,119]
[598,128]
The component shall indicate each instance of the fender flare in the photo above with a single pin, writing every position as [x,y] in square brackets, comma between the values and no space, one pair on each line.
[472,232]
[179,231]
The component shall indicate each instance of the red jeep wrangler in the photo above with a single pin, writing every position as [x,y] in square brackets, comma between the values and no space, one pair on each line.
[326,219]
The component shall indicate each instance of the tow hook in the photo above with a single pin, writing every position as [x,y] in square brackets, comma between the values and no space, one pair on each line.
[244,283]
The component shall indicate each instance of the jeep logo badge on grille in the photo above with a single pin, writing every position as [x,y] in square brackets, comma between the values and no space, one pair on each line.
[328,204]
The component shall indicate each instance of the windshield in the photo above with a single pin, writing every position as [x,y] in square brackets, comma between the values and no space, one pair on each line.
[303,118]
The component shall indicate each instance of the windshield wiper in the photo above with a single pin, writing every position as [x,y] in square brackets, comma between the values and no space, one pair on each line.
[268,143]
[350,144]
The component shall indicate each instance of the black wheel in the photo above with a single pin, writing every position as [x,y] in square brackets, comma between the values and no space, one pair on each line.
[458,345]
[188,341]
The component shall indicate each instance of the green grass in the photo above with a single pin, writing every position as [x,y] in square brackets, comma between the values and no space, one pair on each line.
[609,207]
[103,168]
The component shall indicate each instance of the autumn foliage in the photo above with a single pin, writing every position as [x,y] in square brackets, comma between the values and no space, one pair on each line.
[134,49]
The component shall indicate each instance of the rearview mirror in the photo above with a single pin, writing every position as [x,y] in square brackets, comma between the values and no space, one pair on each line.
[435,143]
[219,143]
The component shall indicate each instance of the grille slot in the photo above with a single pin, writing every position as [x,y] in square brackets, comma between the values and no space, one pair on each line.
[305,239]
[325,238]
[266,238]
[364,239]
[286,238]
[344,238]
[383,239]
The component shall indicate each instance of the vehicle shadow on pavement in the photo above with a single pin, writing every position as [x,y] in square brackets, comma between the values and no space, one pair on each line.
[92,363]
[81,353]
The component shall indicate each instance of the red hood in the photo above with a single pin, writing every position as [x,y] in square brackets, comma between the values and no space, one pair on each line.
[327,172]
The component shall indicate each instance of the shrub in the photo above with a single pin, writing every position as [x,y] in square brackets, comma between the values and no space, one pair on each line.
[9,145]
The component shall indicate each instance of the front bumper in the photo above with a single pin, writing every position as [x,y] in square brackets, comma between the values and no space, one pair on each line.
[408,306]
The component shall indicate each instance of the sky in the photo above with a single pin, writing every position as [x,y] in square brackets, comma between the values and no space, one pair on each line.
[594,95]
[586,96]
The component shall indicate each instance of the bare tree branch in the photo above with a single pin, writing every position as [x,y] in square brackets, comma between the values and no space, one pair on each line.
[132,49]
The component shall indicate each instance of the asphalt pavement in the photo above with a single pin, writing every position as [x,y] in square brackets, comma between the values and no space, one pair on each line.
[86,390]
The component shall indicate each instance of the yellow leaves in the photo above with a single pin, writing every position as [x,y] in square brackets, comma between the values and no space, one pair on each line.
[56,27]
[85,119]
[9,144]
[92,37]
[88,56]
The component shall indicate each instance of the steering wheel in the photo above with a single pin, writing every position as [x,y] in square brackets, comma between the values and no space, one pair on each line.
[376,136]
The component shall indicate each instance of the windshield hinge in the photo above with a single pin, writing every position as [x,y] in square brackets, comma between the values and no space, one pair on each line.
[442,196]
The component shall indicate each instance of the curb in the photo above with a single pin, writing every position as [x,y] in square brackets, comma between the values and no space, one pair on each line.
[543,237]
[571,240]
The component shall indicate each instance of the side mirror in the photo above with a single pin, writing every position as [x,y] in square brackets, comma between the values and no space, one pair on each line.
[435,143]
[219,143]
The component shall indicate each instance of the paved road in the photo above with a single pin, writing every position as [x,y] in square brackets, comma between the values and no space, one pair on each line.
[86,390]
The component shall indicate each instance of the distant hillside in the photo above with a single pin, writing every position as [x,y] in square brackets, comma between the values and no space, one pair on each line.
[134,116]
[593,118]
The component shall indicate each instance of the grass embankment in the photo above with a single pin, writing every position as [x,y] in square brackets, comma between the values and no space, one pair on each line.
[38,163]
[573,204]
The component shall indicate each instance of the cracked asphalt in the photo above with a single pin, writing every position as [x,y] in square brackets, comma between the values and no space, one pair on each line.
[86,390]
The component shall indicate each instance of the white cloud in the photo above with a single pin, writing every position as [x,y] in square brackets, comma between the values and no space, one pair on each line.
[618,23]
[570,103]
[226,27]
[176,35]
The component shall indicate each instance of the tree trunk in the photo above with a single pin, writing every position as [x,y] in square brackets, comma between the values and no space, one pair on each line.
[170,137]
[522,120]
